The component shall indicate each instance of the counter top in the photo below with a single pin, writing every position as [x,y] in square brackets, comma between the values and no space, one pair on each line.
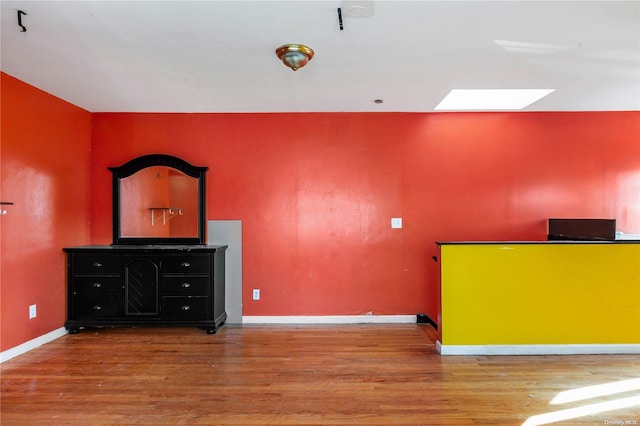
[441,243]
[154,247]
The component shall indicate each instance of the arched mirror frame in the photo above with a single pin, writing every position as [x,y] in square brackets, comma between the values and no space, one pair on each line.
[152,160]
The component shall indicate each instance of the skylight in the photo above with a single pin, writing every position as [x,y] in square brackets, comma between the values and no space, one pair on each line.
[490,99]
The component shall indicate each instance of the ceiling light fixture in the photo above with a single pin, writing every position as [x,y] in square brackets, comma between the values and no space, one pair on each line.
[294,56]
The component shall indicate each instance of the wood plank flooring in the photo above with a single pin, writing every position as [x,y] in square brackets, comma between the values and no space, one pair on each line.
[294,375]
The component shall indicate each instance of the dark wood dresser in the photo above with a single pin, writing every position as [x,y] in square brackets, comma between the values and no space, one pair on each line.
[148,285]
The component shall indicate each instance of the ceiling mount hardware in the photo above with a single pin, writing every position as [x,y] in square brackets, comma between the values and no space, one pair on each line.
[23,29]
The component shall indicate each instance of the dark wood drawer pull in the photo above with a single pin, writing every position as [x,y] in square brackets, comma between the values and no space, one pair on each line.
[97,308]
[185,308]
[97,285]
[185,264]
[186,285]
[97,264]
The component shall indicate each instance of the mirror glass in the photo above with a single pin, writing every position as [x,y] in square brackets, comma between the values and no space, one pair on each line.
[158,199]
[159,202]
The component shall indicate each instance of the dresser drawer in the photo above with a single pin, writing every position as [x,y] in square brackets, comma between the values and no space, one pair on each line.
[175,307]
[95,286]
[185,286]
[107,306]
[96,264]
[186,264]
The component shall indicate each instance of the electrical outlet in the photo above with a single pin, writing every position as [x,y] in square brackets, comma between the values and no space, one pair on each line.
[32,311]
[256,294]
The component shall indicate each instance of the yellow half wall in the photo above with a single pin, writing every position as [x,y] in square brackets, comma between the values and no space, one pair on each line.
[540,293]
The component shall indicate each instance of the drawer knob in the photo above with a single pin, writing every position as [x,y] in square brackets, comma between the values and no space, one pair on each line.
[97,285]
[186,285]
[97,264]
[97,307]
[185,264]
[185,308]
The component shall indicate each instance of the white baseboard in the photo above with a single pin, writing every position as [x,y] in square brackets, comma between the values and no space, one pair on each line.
[596,349]
[32,344]
[330,319]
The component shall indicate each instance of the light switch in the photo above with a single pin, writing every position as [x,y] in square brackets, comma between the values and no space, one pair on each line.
[396,222]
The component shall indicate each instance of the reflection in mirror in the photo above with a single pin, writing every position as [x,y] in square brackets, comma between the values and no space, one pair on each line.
[159,202]
[159,199]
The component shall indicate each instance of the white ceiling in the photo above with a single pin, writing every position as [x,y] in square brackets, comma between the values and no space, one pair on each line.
[219,56]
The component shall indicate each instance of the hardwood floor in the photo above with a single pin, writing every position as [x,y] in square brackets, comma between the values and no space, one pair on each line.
[295,375]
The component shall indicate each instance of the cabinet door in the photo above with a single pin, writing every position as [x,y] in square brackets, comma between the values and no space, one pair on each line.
[141,286]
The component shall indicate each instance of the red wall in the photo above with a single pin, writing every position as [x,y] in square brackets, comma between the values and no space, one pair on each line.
[45,173]
[316,192]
